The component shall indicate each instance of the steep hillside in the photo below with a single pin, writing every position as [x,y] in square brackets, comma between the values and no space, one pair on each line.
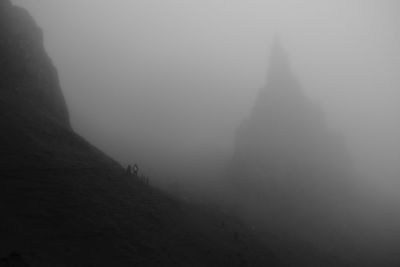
[65,203]
[26,70]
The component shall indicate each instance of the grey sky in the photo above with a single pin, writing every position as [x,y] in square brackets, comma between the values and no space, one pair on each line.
[158,81]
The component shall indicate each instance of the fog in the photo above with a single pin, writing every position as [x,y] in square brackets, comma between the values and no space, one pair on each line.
[166,84]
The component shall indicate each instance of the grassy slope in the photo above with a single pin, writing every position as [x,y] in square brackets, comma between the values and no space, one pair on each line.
[64,203]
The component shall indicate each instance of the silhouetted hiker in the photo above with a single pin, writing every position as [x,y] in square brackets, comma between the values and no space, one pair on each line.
[129,170]
[135,170]
[144,179]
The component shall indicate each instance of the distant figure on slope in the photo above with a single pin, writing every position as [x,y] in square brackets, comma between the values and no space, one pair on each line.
[144,179]
[129,170]
[135,170]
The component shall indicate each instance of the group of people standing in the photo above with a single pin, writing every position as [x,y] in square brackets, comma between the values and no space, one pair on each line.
[132,170]
[135,172]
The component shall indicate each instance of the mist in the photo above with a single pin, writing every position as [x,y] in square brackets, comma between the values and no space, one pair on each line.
[167,84]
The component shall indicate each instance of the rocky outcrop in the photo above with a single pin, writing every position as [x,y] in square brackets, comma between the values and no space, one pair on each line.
[27,74]
[288,167]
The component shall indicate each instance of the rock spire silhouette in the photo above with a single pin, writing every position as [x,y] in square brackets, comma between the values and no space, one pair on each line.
[287,165]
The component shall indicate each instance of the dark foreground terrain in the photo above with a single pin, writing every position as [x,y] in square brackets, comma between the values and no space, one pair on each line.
[65,203]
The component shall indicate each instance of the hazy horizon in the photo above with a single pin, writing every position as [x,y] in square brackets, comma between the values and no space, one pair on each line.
[162,82]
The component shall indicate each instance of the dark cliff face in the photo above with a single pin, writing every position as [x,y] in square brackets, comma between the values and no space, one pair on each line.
[35,127]
[27,75]
[288,167]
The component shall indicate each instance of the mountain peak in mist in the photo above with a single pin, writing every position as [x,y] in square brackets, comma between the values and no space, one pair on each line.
[279,61]
[287,165]
[281,103]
